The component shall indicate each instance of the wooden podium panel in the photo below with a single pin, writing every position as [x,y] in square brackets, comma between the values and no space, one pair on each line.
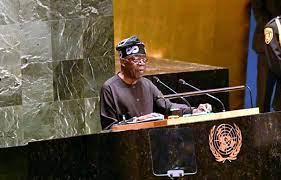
[127,154]
[190,119]
[214,116]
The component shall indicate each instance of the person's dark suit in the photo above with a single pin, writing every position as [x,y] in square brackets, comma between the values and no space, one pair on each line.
[264,11]
[273,53]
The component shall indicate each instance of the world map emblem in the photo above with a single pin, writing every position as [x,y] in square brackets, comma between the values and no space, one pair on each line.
[225,142]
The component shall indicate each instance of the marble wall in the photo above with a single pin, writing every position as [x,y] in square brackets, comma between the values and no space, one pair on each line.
[54,56]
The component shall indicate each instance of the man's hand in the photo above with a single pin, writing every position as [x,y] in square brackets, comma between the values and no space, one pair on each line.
[203,108]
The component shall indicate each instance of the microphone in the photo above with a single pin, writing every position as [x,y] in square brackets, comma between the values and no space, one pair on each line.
[181,81]
[186,102]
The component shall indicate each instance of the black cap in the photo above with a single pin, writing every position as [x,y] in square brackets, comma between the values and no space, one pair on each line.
[129,46]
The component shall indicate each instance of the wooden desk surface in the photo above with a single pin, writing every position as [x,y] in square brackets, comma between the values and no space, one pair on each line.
[164,66]
[184,120]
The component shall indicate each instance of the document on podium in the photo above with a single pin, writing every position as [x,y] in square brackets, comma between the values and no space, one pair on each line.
[152,117]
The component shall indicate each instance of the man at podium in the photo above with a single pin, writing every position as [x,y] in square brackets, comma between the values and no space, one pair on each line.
[127,95]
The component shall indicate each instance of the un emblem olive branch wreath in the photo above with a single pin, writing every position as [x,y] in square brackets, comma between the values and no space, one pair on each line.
[236,147]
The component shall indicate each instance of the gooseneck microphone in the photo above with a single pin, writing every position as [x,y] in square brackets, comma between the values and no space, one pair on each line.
[186,102]
[181,81]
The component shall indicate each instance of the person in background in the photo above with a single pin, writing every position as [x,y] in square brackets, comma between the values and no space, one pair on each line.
[272,41]
[128,95]
[264,11]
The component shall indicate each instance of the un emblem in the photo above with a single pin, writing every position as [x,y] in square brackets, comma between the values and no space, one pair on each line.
[225,142]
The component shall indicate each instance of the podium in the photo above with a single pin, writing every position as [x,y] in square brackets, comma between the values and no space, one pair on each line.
[128,154]
[184,120]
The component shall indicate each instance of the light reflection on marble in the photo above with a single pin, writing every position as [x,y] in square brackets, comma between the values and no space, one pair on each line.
[14,11]
[68,80]
[37,83]
[93,67]
[10,134]
[67,39]
[96,7]
[9,11]
[36,42]
[60,9]
[10,73]
[31,10]
[38,121]
[10,88]
[98,38]
[70,120]
[10,38]
[92,123]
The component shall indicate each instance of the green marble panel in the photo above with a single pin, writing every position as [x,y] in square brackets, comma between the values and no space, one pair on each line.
[31,10]
[67,39]
[10,87]
[36,43]
[70,120]
[10,59]
[38,121]
[96,7]
[10,47]
[68,80]
[92,117]
[10,134]
[43,61]
[96,71]
[9,11]
[37,83]
[10,73]
[65,9]
[98,37]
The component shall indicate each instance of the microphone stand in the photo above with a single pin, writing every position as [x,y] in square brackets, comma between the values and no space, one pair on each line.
[181,81]
[202,92]
[158,81]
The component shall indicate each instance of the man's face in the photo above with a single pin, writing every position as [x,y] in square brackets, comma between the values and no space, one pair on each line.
[134,66]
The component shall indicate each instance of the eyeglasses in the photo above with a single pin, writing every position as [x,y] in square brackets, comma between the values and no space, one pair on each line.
[138,59]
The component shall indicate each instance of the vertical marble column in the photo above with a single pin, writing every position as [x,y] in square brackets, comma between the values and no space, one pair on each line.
[54,57]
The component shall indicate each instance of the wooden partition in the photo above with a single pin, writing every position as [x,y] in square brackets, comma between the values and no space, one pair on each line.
[208,32]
